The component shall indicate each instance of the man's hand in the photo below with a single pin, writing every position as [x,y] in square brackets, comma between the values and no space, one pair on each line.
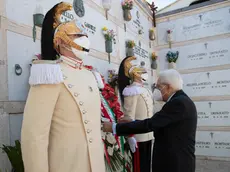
[107,127]
[125,120]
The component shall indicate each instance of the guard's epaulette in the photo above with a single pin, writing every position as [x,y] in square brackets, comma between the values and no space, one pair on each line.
[132,90]
[45,72]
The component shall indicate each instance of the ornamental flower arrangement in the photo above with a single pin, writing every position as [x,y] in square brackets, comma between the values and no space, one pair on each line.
[130,48]
[109,36]
[112,79]
[127,5]
[116,157]
[151,34]
[154,60]
[172,58]
[169,37]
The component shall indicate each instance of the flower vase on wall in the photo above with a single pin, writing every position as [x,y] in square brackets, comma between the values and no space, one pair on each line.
[169,38]
[154,64]
[109,47]
[151,35]
[127,15]
[172,65]
[130,52]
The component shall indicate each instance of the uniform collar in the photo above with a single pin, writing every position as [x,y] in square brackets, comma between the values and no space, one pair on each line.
[137,84]
[77,64]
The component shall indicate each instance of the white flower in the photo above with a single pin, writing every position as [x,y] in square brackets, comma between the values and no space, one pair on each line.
[110,151]
[110,138]
[103,135]
[116,147]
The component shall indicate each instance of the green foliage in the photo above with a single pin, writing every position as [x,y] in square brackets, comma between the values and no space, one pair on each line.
[15,156]
[172,57]
[130,44]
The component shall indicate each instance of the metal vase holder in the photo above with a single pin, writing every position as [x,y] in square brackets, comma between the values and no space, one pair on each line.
[127,15]
[130,52]
[109,48]
[154,64]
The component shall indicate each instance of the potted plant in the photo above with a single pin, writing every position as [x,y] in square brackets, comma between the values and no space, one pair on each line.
[172,58]
[15,156]
[151,34]
[154,60]
[127,5]
[130,45]
[169,37]
[109,36]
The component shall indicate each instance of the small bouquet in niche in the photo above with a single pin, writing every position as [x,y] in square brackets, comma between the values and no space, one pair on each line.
[154,60]
[127,5]
[109,36]
[172,57]
[112,78]
[130,48]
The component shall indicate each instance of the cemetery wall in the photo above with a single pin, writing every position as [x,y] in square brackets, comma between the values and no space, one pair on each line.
[202,38]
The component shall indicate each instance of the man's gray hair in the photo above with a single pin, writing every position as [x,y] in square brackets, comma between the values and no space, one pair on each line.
[172,78]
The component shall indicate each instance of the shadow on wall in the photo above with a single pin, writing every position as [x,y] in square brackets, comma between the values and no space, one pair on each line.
[198,2]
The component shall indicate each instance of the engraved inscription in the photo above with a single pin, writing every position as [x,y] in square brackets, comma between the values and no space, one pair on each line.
[209,23]
[215,113]
[213,83]
[213,143]
[198,55]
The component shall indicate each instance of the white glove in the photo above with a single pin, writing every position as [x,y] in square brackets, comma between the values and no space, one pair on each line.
[132,144]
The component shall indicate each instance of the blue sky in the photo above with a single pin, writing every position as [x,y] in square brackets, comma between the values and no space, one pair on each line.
[161,3]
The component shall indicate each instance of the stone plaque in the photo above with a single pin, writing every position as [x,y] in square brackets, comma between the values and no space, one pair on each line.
[141,52]
[213,143]
[213,113]
[21,51]
[215,83]
[200,55]
[94,27]
[201,25]
[139,22]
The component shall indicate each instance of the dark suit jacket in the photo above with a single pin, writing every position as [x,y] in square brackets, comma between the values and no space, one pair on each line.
[174,130]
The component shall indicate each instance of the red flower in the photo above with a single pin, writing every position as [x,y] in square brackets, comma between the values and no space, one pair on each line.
[169,31]
[88,67]
[110,96]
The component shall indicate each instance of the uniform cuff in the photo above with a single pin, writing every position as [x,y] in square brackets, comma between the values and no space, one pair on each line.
[114,128]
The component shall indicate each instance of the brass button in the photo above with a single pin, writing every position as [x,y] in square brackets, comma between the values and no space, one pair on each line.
[86,122]
[88,131]
[84,112]
[70,85]
[81,103]
[76,94]
[90,140]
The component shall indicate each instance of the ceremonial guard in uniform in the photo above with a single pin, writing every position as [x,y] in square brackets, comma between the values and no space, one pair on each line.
[61,129]
[138,105]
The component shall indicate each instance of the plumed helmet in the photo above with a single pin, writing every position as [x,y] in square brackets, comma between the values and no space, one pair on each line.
[53,29]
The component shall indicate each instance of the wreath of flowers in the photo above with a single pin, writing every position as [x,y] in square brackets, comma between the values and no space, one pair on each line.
[117,157]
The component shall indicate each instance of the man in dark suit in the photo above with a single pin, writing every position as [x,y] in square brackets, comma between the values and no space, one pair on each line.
[174,127]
